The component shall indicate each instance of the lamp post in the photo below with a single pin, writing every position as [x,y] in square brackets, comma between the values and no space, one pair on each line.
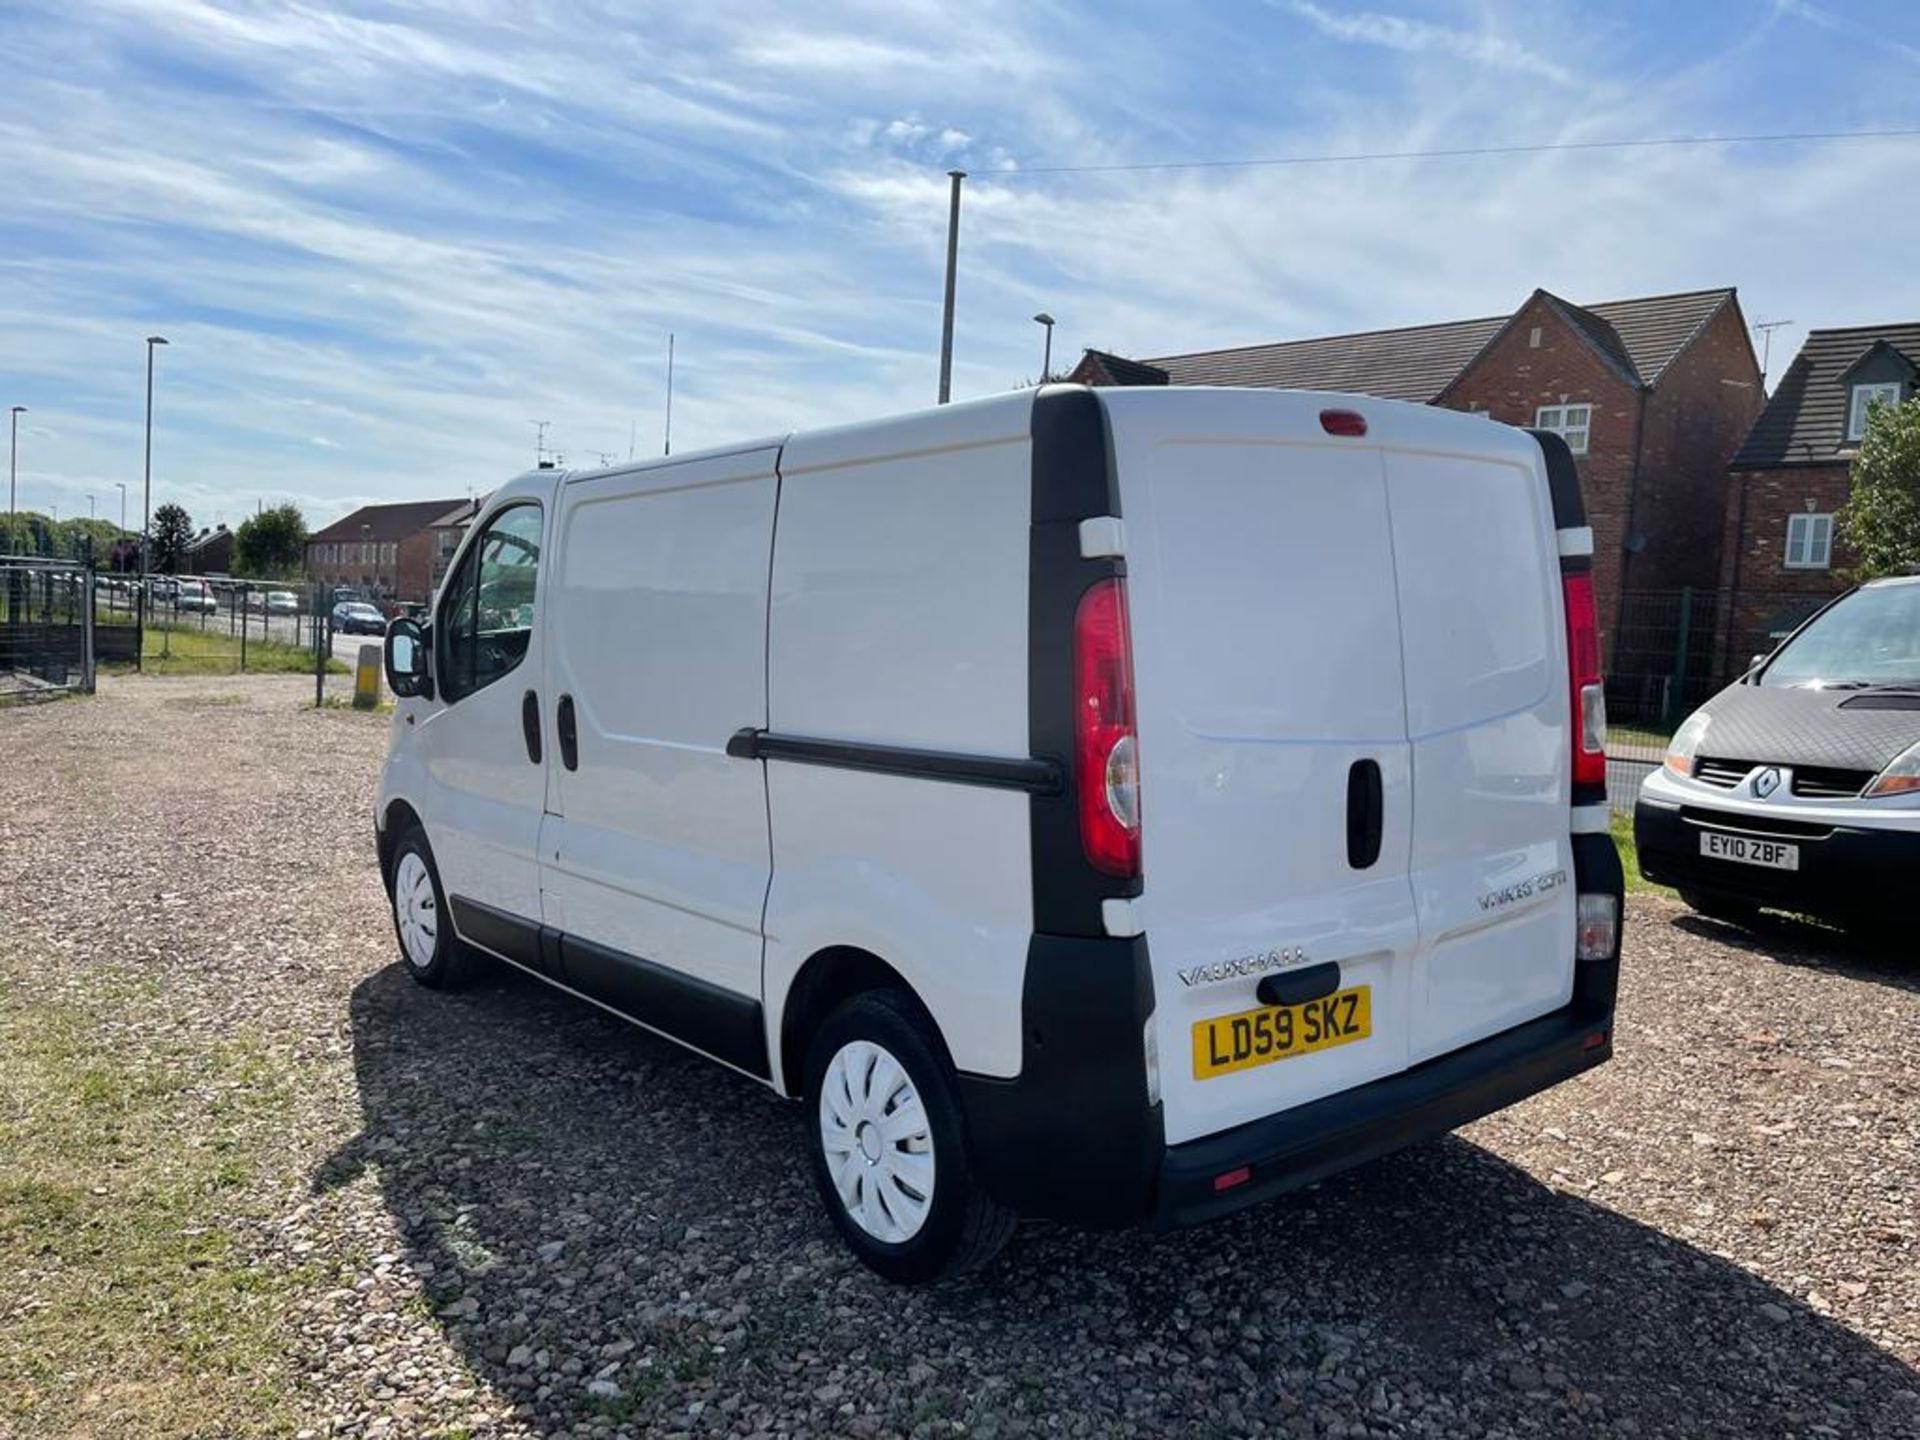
[146,507]
[1046,360]
[13,472]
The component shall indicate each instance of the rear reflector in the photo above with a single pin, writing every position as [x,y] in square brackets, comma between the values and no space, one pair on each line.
[1343,422]
[1588,692]
[1594,1041]
[1232,1178]
[1596,927]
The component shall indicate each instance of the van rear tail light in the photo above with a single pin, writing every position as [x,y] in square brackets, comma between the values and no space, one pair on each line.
[1596,927]
[1589,693]
[1106,751]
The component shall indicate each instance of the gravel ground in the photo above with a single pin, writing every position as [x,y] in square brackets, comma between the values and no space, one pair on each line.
[534,1220]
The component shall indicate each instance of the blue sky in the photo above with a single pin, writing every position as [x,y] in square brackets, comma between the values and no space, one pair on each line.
[384,238]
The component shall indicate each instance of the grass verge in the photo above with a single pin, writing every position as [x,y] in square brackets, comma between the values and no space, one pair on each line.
[189,650]
[132,1161]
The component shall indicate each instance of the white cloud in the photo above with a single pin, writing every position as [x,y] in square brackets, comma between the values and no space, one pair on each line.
[1394,32]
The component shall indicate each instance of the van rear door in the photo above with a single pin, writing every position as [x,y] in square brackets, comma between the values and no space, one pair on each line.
[1272,724]
[1484,640]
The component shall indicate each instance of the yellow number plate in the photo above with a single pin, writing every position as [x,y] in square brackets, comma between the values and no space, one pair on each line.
[1227,1043]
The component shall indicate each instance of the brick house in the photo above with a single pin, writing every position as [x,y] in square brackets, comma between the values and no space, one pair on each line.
[1782,554]
[384,552]
[1653,395]
[209,553]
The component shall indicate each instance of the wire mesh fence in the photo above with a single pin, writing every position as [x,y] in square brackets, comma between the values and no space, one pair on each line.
[46,628]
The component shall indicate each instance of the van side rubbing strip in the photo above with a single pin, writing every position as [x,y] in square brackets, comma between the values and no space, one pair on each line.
[505,935]
[709,1018]
[1073,480]
[1036,777]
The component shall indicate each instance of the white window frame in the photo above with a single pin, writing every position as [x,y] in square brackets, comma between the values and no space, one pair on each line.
[1861,400]
[1803,530]
[1560,420]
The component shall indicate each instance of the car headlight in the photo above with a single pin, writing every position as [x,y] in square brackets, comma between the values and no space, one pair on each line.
[1686,741]
[1902,777]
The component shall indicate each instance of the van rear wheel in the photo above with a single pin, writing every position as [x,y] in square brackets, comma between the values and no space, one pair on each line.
[888,1145]
[434,955]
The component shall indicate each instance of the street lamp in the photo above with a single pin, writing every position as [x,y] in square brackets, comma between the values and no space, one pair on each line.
[1046,362]
[123,506]
[13,471]
[146,509]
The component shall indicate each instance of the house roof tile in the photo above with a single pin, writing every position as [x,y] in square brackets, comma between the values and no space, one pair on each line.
[1639,337]
[1805,419]
[387,522]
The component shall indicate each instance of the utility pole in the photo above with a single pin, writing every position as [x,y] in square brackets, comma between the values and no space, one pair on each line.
[953,261]
[13,474]
[667,433]
[146,508]
[123,505]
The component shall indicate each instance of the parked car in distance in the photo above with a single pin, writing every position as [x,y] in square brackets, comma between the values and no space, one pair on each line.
[356,617]
[1798,787]
[1112,806]
[282,602]
[193,595]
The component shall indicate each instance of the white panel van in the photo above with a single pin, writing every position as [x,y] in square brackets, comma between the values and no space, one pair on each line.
[1116,806]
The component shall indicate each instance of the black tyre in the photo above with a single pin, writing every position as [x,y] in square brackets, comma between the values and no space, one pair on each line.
[888,1144]
[1721,907]
[433,954]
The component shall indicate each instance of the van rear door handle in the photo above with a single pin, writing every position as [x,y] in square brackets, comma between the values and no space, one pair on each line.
[1366,813]
[569,737]
[530,724]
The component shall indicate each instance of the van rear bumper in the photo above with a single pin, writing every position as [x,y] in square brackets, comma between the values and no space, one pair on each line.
[1311,1142]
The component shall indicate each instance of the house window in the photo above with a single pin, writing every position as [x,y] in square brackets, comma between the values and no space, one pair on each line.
[1886,392]
[1474,407]
[1809,542]
[1572,423]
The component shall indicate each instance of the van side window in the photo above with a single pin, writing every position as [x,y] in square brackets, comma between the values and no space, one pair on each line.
[486,619]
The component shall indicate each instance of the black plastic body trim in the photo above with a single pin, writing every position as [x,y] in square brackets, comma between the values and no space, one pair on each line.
[1036,777]
[1084,1007]
[1563,481]
[1366,814]
[1073,480]
[567,729]
[504,934]
[723,1023]
[1310,1142]
[530,724]
[1852,873]
[1299,987]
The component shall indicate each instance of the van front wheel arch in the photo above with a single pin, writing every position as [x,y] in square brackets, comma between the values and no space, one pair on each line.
[888,1144]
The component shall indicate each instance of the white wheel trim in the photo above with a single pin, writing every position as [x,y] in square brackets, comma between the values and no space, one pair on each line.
[414,910]
[878,1143]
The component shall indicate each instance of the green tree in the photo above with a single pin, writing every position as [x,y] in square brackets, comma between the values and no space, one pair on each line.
[1881,520]
[172,532]
[271,545]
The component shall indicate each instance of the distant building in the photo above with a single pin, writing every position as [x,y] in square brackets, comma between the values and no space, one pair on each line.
[446,533]
[385,552]
[1652,395]
[209,553]
[1784,555]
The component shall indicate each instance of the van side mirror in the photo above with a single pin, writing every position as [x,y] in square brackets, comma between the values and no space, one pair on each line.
[409,666]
